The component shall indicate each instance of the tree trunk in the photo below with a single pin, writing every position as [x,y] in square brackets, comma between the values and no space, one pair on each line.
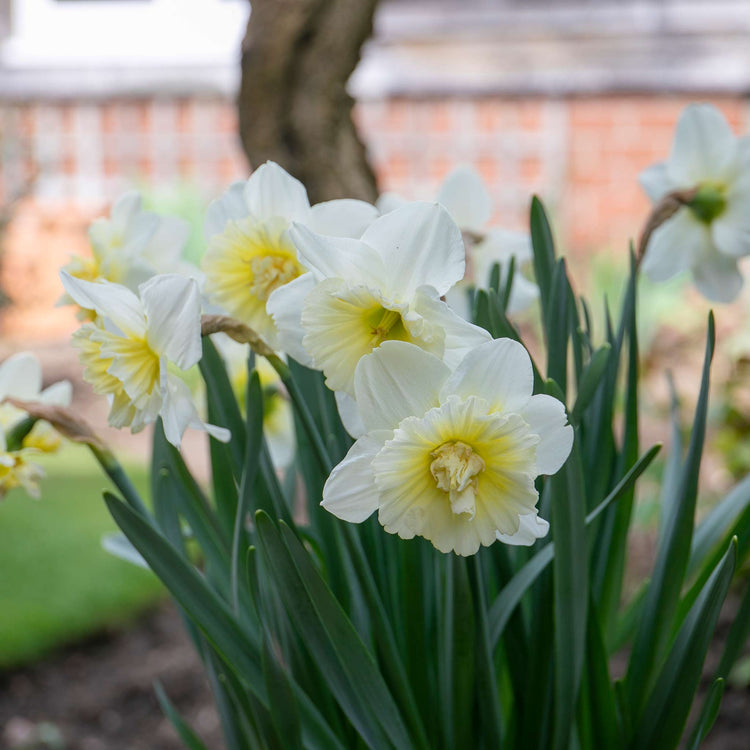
[297,56]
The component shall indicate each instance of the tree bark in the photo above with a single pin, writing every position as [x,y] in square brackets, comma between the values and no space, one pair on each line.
[297,56]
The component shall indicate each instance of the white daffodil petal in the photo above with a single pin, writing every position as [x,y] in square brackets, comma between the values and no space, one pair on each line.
[20,377]
[178,412]
[523,294]
[350,492]
[675,246]
[58,394]
[272,192]
[172,304]
[457,476]
[109,300]
[547,418]
[349,414]
[165,246]
[342,218]
[342,257]
[465,197]
[655,181]
[388,202]
[704,146]
[229,207]
[498,371]
[460,336]
[125,210]
[285,306]
[717,277]
[731,229]
[420,245]
[396,381]
[459,300]
[530,528]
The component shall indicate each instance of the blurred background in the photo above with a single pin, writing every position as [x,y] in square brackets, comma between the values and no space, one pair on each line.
[566,99]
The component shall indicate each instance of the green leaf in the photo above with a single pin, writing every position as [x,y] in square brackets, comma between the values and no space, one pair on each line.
[739,633]
[556,327]
[349,667]
[185,733]
[223,404]
[283,705]
[544,252]
[612,539]
[719,523]
[663,593]
[570,589]
[602,703]
[591,380]
[209,613]
[191,591]
[668,703]
[508,599]
[708,715]
[490,713]
[462,658]
[254,416]
[188,501]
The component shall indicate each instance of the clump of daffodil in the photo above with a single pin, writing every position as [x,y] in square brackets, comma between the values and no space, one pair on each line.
[450,455]
[129,352]
[250,253]
[130,246]
[278,421]
[466,198]
[21,443]
[385,286]
[708,170]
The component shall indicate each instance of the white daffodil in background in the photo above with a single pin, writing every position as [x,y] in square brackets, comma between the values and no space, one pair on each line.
[385,286]
[131,246]
[278,421]
[128,351]
[21,378]
[466,198]
[450,456]
[712,230]
[250,253]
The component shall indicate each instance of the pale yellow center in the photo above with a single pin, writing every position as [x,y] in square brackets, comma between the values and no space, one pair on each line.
[385,325]
[269,273]
[454,468]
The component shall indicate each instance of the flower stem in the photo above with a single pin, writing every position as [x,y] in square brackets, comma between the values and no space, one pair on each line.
[113,469]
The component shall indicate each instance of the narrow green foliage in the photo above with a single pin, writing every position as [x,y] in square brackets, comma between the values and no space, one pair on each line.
[329,635]
[186,734]
[708,715]
[666,709]
[544,252]
[672,557]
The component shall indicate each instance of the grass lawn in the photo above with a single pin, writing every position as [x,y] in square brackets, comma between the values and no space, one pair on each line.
[56,582]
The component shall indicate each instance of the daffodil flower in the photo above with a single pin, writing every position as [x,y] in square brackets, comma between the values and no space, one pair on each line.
[712,231]
[384,287]
[21,378]
[250,253]
[127,353]
[131,246]
[278,421]
[450,455]
[466,198]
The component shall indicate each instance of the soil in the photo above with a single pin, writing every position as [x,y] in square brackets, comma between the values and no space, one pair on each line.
[99,695]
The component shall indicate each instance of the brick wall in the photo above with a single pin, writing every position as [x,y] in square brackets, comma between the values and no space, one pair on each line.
[582,155]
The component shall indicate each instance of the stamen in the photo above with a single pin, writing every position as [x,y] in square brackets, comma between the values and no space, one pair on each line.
[269,273]
[455,468]
[380,331]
